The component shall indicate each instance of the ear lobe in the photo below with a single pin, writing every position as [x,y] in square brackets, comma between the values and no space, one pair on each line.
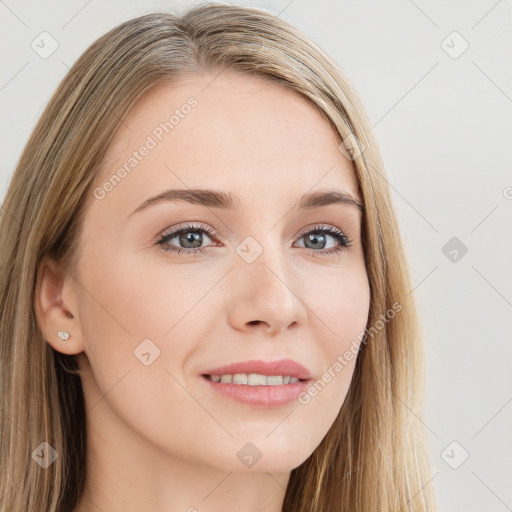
[55,308]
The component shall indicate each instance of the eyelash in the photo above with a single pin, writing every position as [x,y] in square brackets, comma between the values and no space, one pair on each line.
[342,238]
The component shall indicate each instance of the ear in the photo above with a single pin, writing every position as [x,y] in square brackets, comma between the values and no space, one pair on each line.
[56,307]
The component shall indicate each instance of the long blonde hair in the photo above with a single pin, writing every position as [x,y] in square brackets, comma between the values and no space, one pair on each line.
[374,457]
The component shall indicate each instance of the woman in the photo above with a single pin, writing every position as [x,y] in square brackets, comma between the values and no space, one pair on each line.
[205,304]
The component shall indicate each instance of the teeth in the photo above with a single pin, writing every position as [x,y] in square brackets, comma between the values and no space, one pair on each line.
[254,379]
[274,380]
[240,378]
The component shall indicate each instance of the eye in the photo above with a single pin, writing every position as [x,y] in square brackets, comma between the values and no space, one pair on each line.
[191,238]
[316,238]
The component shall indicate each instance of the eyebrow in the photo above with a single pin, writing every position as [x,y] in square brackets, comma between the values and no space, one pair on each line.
[227,201]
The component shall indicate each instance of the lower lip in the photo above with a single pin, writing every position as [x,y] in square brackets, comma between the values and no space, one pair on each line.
[266,397]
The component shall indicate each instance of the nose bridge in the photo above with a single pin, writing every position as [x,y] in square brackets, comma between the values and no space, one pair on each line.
[263,284]
[264,257]
[270,271]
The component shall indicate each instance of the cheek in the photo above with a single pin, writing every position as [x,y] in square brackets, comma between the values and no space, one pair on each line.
[348,309]
[135,311]
[141,296]
[339,303]
[123,305]
[340,315]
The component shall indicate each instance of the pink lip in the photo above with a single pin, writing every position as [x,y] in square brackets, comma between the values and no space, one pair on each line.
[265,397]
[282,367]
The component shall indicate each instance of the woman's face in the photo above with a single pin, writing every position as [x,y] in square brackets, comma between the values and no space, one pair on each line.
[270,281]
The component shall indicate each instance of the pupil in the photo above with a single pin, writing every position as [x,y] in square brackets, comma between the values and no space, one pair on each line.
[315,238]
[191,237]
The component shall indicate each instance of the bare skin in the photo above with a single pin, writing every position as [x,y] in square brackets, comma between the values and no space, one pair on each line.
[159,438]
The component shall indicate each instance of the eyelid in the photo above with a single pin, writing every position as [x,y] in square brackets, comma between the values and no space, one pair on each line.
[213,234]
[188,226]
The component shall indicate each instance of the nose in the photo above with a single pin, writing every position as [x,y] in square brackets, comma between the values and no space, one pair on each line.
[263,296]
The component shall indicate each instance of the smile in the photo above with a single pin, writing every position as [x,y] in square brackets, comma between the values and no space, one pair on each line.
[254,379]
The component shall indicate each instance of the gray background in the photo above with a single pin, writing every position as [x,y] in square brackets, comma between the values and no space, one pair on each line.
[442,117]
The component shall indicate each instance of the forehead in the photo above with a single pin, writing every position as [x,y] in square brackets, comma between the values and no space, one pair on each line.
[233,132]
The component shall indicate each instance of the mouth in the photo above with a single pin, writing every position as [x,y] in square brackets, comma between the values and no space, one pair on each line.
[254,379]
[259,373]
[259,384]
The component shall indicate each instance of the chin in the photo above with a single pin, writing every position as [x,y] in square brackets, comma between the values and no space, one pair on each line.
[261,458]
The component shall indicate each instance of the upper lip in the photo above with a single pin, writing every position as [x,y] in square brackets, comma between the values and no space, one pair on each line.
[281,367]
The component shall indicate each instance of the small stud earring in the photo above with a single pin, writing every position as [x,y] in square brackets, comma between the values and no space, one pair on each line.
[63,335]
